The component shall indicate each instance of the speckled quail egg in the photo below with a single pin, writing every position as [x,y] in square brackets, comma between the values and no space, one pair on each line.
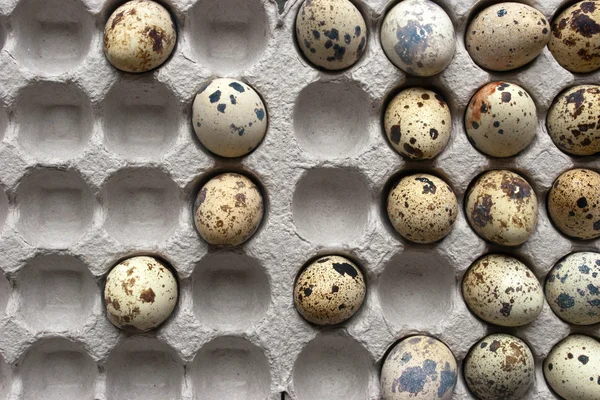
[572,368]
[329,291]
[574,203]
[501,290]
[499,366]
[418,37]
[140,294]
[228,209]
[576,37]
[229,117]
[418,123]
[419,367]
[506,36]
[573,288]
[422,208]
[574,120]
[501,119]
[139,36]
[332,34]
[502,207]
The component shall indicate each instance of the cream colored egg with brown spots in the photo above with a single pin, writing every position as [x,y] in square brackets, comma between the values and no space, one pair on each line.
[228,210]
[574,203]
[139,36]
[332,34]
[501,119]
[329,291]
[422,208]
[499,366]
[506,36]
[502,207]
[140,294]
[418,123]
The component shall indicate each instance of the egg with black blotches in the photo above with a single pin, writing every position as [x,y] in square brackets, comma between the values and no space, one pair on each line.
[501,119]
[418,37]
[229,117]
[419,367]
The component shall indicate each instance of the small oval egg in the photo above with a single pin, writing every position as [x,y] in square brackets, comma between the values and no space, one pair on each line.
[140,294]
[572,368]
[502,207]
[229,117]
[501,290]
[329,291]
[506,36]
[574,120]
[573,288]
[501,119]
[574,203]
[419,367]
[418,123]
[139,36]
[418,37]
[499,366]
[422,208]
[332,34]
[576,37]
[228,210]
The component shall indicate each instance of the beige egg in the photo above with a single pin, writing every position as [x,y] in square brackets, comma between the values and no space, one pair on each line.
[576,37]
[140,294]
[574,120]
[228,210]
[332,34]
[329,291]
[501,290]
[574,203]
[139,36]
[499,366]
[502,207]
[418,123]
[422,208]
[419,368]
[501,119]
[506,36]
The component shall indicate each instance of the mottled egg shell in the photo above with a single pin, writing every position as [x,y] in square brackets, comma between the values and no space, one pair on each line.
[140,294]
[502,207]
[574,120]
[576,37]
[573,288]
[506,36]
[501,119]
[228,209]
[419,367]
[499,366]
[329,291]
[418,123]
[422,208]
[418,37]
[229,117]
[139,36]
[332,34]
[574,203]
[501,290]
[572,369]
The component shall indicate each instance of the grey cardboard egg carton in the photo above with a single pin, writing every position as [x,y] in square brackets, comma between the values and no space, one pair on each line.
[99,165]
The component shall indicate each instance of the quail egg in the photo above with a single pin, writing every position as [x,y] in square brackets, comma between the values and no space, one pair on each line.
[501,119]
[228,209]
[502,207]
[419,367]
[140,294]
[574,203]
[329,291]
